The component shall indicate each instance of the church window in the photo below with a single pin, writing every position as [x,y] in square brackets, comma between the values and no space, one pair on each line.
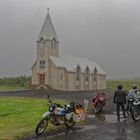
[61,77]
[95,74]
[78,73]
[42,63]
[87,74]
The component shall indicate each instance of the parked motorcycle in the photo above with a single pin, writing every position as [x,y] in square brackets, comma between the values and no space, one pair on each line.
[99,102]
[130,102]
[59,115]
[135,110]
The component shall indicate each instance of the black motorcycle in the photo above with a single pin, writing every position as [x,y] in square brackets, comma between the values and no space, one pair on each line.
[135,110]
[130,102]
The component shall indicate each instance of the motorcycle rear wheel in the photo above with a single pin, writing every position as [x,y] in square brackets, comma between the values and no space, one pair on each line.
[135,114]
[98,109]
[41,127]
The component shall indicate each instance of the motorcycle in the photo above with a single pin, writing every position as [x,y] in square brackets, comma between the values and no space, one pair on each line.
[135,110]
[130,102]
[99,102]
[59,115]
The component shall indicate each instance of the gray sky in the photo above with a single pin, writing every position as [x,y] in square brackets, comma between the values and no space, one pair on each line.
[105,31]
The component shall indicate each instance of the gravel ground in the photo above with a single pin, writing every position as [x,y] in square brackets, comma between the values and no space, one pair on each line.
[101,127]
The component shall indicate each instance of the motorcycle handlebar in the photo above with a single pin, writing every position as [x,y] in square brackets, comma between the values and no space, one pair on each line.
[50,101]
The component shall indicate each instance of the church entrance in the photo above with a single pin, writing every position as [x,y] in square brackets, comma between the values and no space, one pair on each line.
[41,79]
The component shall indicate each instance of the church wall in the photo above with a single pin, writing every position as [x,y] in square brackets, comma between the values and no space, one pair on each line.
[53,76]
[45,49]
[82,81]
[101,81]
[90,82]
[34,75]
[62,79]
[42,50]
[71,80]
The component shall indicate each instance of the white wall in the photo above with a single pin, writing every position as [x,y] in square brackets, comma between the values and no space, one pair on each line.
[101,82]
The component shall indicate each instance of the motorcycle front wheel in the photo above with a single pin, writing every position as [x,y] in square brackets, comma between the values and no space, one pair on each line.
[41,127]
[135,114]
[69,123]
[98,109]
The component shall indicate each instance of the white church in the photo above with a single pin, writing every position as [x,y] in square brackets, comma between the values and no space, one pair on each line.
[63,72]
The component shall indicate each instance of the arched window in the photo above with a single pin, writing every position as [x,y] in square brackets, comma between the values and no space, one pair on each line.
[87,74]
[95,74]
[78,73]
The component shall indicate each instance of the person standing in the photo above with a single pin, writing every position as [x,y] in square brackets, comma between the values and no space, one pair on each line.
[120,100]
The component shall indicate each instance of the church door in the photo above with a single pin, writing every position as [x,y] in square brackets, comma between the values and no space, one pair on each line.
[41,79]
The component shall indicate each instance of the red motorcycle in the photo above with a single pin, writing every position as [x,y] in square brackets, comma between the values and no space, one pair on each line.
[99,102]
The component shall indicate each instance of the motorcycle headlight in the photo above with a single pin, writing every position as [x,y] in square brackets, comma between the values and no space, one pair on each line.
[50,109]
[101,98]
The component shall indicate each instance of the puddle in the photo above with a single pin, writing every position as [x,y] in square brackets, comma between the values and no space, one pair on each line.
[86,127]
[123,132]
[73,130]
[106,118]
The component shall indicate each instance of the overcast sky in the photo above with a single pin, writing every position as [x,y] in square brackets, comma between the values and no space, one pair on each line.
[105,31]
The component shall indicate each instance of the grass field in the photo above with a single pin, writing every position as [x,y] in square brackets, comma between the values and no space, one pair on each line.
[19,116]
[8,88]
[127,84]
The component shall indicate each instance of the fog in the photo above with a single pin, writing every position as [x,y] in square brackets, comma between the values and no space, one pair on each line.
[105,31]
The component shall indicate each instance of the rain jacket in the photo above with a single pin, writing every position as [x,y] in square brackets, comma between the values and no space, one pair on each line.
[119,96]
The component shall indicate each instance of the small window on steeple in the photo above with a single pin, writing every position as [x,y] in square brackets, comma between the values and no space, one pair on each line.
[42,63]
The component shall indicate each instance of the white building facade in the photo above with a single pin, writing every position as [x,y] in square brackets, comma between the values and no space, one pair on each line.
[63,72]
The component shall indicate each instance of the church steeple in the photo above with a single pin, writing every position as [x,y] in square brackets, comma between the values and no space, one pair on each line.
[47,31]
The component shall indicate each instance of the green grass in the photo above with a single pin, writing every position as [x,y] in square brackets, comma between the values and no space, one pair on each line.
[127,84]
[8,88]
[19,116]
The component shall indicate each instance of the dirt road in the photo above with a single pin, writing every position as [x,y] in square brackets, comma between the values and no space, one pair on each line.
[101,127]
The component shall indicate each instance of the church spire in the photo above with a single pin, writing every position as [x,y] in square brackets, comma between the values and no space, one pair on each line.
[47,31]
